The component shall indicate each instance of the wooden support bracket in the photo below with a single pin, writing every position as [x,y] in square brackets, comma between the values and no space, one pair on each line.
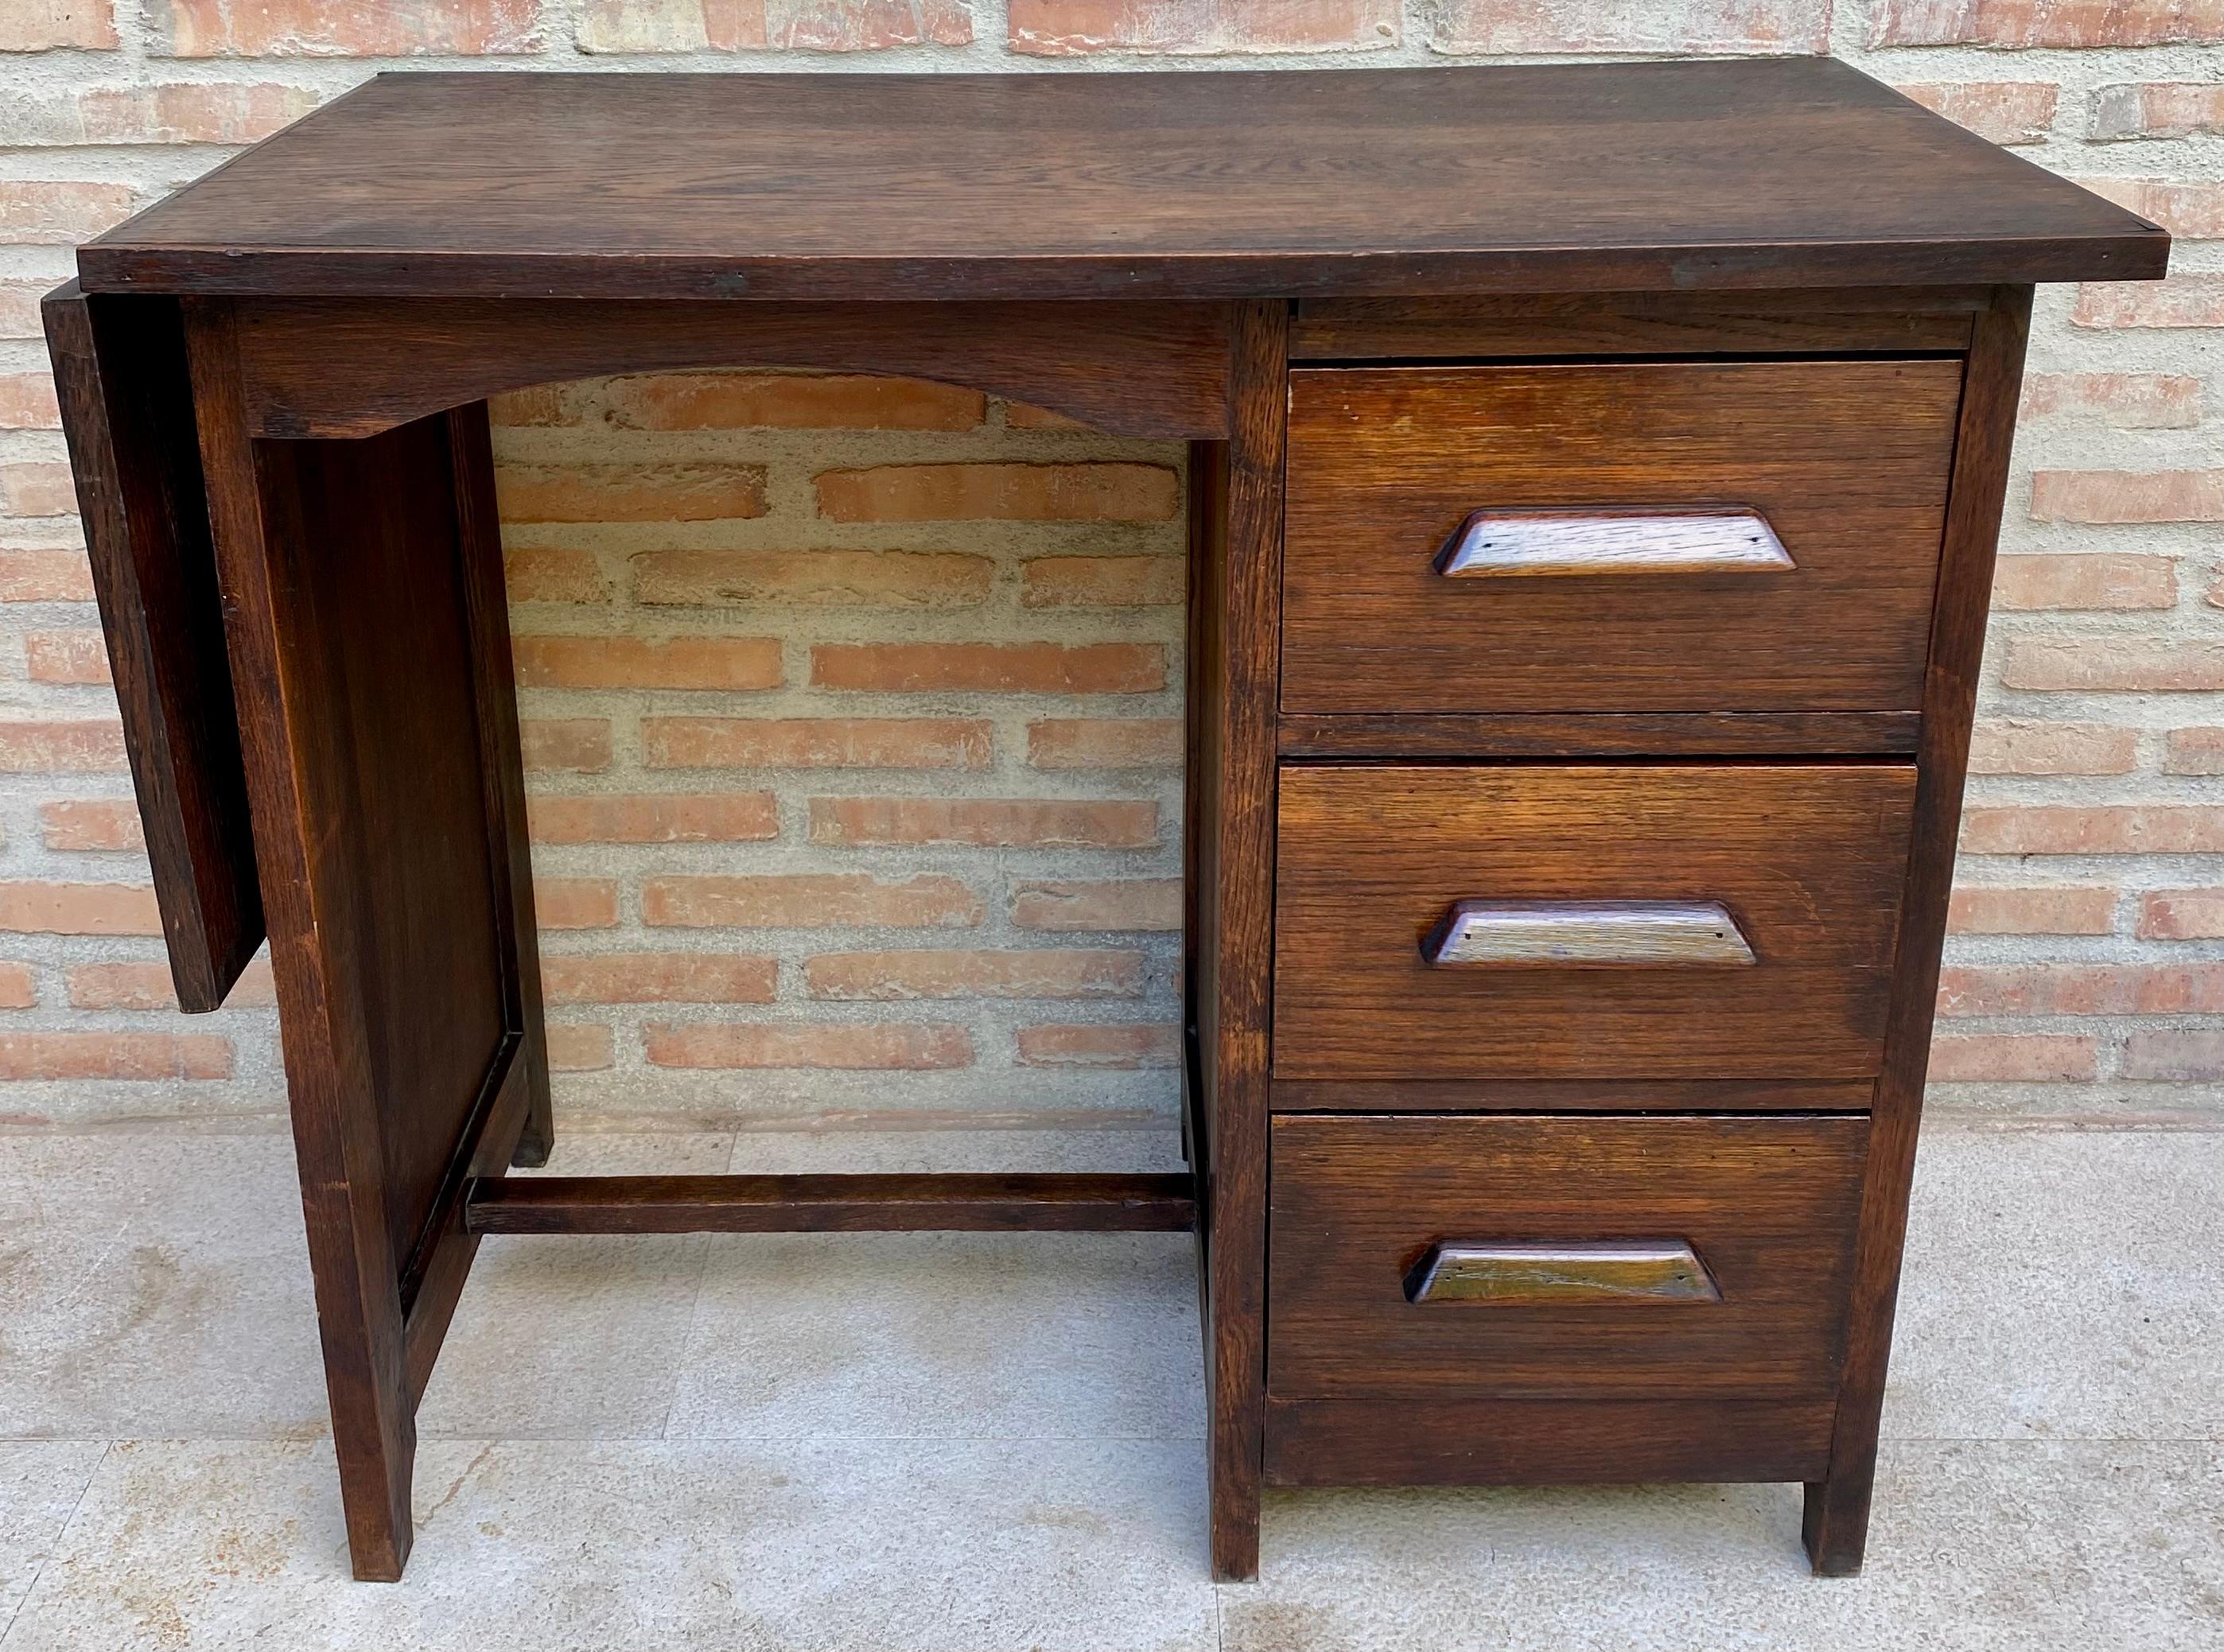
[825,1204]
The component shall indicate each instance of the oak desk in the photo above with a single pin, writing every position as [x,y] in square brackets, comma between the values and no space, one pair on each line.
[1594,484]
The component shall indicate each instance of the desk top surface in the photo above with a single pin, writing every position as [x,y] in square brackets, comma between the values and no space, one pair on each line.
[1783,171]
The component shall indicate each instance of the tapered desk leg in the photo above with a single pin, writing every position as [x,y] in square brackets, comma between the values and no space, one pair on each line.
[370,662]
[1234,674]
[1836,1523]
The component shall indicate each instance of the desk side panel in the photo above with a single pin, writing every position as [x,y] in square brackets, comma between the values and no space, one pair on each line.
[128,412]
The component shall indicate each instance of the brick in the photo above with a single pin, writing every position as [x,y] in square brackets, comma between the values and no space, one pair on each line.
[2191,212]
[54,25]
[1083,28]
[1104,742]
[630,493]
[19,308]
[2122,829]
[1103,582]
[2105,496]
[67,657]
[18,989]
[2014,1058]
[179,113]
[990,667]
[2182,915]
[27,402]
[985,823]
[1985,909]
[578,1047]
[2112,581]
[45,576]
[1637,26]
[1121,1046]
[92,824]
[149,986]
[36,487]
[2156,109]
[343,29]
[2114,664]
[788,401]
[2000,111]
[811,901]
[2022,23]
[1112,904]
[727,664]
[1001,493]
[885,977]
[738,817]
[132,1056]
[79,909]
[753,25]
[904,579]
[2082,989]
[565,745]
[2175,1055]
[2194,751]
[60,748]
[816,743]
[1018,416]
[2190,300]
[657,978]
[878,1048]
[51,212]
[536,405]
[2119,401]
[550,573]
[575,903]
[2010,746]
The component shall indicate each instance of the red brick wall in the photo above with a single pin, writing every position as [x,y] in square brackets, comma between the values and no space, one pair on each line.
[851,703]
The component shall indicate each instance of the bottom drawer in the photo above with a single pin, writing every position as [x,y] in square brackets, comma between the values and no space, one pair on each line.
[1565,1298]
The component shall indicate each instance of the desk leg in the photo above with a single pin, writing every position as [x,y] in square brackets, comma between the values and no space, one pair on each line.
[1235,645]
[370,664]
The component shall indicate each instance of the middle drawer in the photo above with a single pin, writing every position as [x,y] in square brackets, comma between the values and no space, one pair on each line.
[1596,921]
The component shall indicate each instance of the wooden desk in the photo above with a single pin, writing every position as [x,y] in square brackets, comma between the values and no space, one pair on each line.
[1594,484]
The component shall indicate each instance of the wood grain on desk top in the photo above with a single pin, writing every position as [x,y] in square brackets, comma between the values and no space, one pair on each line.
[1781,172]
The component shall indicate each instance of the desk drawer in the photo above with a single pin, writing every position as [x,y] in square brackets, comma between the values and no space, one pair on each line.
[1661,537]
[1637,922]
[1528,1258]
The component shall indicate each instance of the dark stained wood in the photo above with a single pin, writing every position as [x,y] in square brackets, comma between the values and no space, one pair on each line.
[1571,1095]
[501,773]
[127,409]
[1656,176]
[1807,856]
[1696,734]
[1836,1523]
[321,367]
[1406,1441]
[345,569]
[1891,320]
[337,1138]
[1768,1204]
[1847,460]
[830,1204]
[1232,720]
[1147,258]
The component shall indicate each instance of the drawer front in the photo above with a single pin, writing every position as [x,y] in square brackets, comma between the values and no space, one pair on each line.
[1674,922]
[1661,1260]
[1664,537]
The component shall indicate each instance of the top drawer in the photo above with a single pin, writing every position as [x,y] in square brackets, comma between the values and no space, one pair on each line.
[1621,597]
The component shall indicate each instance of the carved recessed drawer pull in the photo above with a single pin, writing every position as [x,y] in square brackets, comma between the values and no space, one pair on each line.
[1552,543]
[1658,1270]
[1598,934]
